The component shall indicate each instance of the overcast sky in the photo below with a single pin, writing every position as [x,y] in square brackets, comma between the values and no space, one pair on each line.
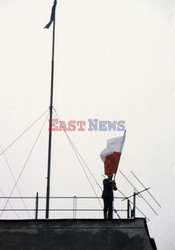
[114,60]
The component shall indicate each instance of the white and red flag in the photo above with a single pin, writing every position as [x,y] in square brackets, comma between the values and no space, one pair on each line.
[111,154]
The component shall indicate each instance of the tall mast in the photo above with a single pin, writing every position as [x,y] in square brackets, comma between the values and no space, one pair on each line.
[52,20]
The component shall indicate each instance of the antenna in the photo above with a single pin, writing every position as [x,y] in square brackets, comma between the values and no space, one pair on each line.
[138,192]
[147,189]
[133,204]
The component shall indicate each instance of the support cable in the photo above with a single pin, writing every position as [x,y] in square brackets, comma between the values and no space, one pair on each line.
[85,172]
[24,164]
[10,205]
[15,181]
[23,133]
[79,157]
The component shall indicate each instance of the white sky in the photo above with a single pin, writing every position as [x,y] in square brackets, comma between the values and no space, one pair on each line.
[114,60]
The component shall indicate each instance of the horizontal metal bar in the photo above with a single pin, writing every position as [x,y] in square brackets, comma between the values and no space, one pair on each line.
[77,197]
[42,209]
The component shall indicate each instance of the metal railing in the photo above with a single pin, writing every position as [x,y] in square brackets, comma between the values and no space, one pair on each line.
[62,207]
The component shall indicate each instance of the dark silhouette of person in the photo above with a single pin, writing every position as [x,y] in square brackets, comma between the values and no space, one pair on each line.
[108,186]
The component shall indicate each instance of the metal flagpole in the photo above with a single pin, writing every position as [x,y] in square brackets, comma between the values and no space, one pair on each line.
[52,20]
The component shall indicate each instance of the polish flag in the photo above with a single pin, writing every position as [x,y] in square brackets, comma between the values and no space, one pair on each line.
[111,154]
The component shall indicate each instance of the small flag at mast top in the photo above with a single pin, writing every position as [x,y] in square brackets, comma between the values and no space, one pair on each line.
[52,17]
[111,154]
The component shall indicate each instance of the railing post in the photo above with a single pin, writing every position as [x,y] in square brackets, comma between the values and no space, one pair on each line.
[36,209]
[134,206]
[74,206]
[128,208]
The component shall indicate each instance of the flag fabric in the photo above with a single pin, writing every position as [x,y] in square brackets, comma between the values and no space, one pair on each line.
[52,17]
[111,154]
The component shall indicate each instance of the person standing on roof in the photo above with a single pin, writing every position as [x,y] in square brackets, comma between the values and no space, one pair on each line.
[108,186]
